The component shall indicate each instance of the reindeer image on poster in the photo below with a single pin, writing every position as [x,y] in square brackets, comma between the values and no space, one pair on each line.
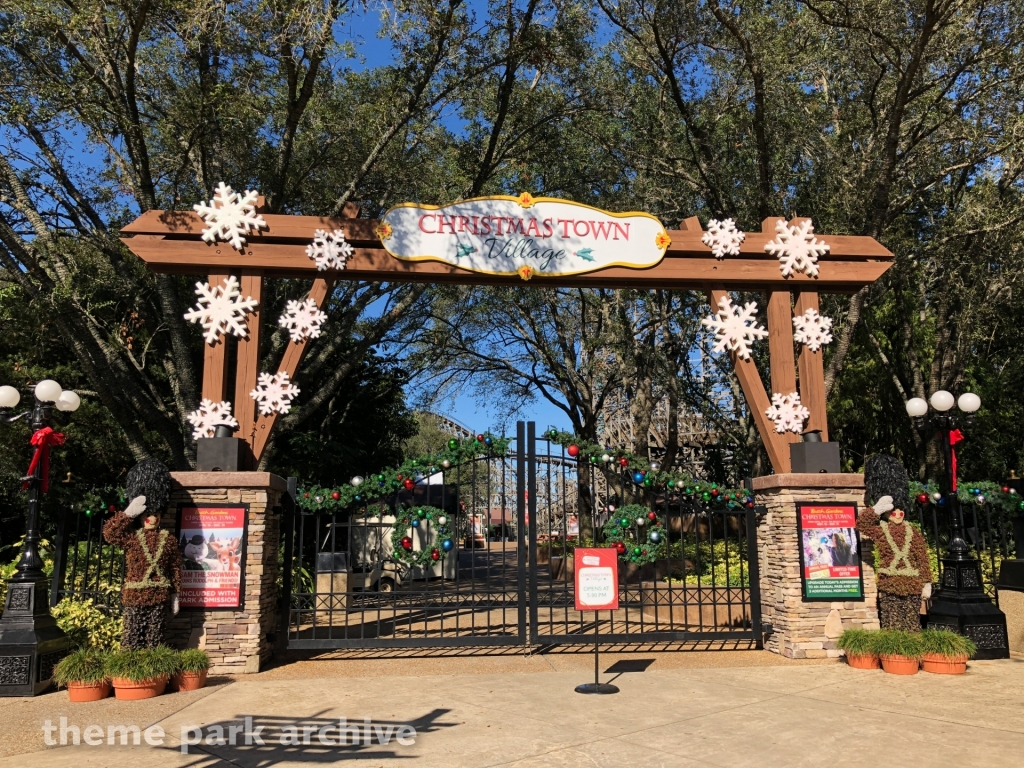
[228,554]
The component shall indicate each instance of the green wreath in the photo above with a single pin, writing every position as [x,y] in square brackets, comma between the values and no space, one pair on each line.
[415,517]
[633,541]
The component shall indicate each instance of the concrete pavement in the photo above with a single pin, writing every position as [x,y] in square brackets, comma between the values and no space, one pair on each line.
[673,710]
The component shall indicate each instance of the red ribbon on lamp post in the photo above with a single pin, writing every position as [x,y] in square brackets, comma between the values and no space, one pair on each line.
[955,436]
[43,439]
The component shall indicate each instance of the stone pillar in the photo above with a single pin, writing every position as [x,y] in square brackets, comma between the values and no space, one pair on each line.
[237,640]
[804,630]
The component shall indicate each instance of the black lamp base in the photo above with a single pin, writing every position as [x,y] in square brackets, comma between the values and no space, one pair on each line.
[962,606]
[31,643]
[596,688]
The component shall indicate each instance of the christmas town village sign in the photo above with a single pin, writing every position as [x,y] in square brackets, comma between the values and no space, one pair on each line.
[503,240]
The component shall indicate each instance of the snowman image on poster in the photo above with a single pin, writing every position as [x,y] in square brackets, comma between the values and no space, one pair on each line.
[194,552]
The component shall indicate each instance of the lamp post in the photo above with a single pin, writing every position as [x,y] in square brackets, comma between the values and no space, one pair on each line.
[960,604]
[31,643]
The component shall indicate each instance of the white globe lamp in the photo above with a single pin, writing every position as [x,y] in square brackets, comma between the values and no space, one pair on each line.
[916,407]
[968,402]
[48,391]
[68,401]
[942,400]
[9,397]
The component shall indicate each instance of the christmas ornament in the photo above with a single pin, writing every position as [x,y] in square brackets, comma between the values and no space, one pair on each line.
[420,514]
[329,250]
[408,483]
[435,555]
[638,477]
[479,438]
[553,434]
[922,498]
[336,496]
[980,499]
[623,462]
[640,522]
[655,466]
[1006,489]
[723,238]
[221,310]
[812,330]
[734,328]
[654,537]
[936,496]
[611,507]
[406,543]
[302,319]
[230,216]
[358,480]
[209,416]
[274,393]
[796,248]
[606,458]
[620,548]
[446,464]
[453,444]
[573,450]
[415,523]
[787,413]
[652,516]
[447,545]
[442,520]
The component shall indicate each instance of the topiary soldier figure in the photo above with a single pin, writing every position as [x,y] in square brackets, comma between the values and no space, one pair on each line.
[152,559]
[901,564]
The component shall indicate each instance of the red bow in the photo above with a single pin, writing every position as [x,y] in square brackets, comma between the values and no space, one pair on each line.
[955,436]
[42,440]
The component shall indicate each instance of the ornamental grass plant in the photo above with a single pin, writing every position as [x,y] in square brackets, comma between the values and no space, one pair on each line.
[86,665]
[193,660]
[142,664]
[857,642]
[896,642]
[946,644]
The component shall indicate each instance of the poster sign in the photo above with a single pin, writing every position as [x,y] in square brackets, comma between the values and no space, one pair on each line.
[212,543]
[830,565]
[597,579]
[525,235]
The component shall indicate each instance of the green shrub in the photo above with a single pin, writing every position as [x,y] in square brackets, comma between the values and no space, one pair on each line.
[86,665]
[947,644]
[896,642]
[142,664]
[857,642]
[88,625]
[193,660]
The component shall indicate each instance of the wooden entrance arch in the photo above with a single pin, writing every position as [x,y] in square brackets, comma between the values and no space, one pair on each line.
[170,242]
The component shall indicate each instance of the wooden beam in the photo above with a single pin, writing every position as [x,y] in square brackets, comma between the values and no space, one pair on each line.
[248,365]
[758,402]
[293,355]
[215,381]
[376,264]
[812,373]
[780,349]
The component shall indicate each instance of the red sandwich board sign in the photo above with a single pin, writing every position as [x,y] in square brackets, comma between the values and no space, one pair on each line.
[597,579]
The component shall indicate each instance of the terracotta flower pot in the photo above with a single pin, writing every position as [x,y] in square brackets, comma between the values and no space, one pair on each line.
[944,665]
[82,692]
[863,661]
[189,681]
[900,665]
[129,690]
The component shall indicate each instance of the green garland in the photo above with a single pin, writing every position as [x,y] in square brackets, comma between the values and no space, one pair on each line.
[653,479]
[388,482]
[632,540]
[408,519]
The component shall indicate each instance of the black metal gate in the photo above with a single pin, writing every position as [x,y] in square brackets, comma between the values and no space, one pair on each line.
[514,520]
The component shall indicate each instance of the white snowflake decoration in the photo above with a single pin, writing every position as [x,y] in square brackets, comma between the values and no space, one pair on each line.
[812,329]
[787,413]
[329,249]
[735,329]
[231,216]
[209,416]
[796,248]
[723,238]
[274,393]
[221,309]
[302,319]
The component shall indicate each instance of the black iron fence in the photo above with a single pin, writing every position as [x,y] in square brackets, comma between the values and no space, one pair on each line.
[85,566]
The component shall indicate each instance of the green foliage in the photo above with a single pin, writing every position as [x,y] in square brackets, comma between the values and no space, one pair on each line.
[947,644]
[89,626]
[622,528]
[142,664]
[857,642]
[193,660]
[896,642]
[84,665]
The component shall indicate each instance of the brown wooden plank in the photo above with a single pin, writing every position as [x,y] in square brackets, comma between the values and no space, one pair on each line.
[248,365]
[215,382]
[812,373]
[758,402]
[298,230]
[780,349]
[281,260]
[293,355]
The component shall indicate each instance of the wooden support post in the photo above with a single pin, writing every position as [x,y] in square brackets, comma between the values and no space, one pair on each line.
[215,358]
[248,366]
[758,402]
[780,350]
[812,373]
[293,355]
